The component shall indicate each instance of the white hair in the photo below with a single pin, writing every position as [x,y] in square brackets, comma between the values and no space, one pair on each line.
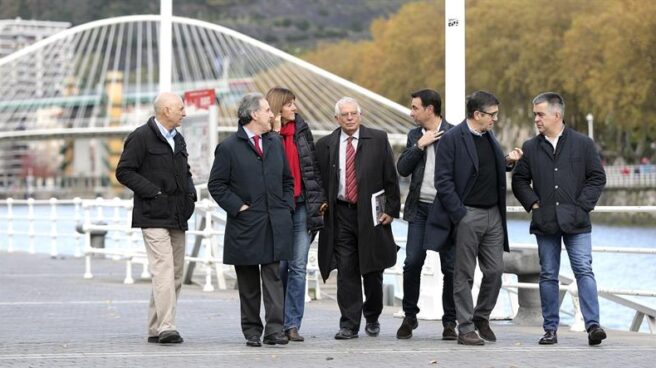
[346,100]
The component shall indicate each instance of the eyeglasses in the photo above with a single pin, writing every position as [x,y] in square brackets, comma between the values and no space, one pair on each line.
[350,113]
[493,115]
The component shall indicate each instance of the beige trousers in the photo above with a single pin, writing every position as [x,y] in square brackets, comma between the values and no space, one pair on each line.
[166,252]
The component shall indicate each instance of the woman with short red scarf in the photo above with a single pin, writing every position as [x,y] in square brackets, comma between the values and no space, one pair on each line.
[310,202]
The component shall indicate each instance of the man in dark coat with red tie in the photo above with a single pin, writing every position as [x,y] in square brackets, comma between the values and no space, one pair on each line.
[251,181]
[356,162]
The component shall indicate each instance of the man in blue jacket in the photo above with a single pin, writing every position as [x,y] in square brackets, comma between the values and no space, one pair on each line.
[560,179]
[471,201]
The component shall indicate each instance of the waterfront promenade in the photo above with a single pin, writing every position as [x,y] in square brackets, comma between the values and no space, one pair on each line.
[52,317]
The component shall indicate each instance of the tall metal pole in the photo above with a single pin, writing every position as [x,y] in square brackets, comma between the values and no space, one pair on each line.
[454,60]
[165,45]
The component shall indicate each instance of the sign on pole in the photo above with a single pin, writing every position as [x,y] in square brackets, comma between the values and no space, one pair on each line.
[200,127]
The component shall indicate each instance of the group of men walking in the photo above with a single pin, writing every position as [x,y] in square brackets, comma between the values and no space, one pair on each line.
[279,189]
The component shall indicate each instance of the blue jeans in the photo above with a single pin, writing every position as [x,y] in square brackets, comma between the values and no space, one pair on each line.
[293,272]
[579,250]
[415,254]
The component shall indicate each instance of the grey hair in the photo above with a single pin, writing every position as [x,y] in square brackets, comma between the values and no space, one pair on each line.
[248,105]
[345,100]
[554,101]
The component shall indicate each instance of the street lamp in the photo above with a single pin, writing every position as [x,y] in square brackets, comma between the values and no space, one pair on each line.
[590,120]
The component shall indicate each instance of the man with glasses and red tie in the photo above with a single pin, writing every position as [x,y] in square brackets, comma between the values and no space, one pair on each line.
[355,163]
[251,181]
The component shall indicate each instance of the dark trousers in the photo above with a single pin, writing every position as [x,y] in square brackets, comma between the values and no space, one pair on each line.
[349,279]
[415,254]
[479,235]
[250,297]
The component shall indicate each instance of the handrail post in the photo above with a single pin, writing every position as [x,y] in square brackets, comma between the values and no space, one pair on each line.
[578,324]
[208,249]
[30,219]
[218,265]
[10,225]
[87,242]
[53,227]
[77,253]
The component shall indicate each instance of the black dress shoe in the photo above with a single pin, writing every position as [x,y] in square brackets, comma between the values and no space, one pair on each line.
[346,334]
[372,328]
[595,335]
[153,339]
[485,331]
[170,337]
[408,324]
[470,338]
[549,338]
[253,341]
[449,333]
[292,335]
[277,338]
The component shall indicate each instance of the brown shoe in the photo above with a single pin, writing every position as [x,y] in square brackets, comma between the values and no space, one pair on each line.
[470,338]
[485,331]
[449,333]
[292,335]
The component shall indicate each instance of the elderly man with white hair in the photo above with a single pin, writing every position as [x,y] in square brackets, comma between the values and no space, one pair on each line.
[154,166]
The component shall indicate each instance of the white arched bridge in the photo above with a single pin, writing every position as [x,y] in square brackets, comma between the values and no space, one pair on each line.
[78,92]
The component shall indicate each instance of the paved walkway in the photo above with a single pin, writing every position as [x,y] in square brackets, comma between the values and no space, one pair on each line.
[52,317]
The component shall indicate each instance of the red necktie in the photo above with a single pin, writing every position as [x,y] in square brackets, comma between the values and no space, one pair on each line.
[351,182]
[256,138]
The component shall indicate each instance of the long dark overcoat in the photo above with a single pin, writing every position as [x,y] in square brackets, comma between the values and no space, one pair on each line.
[375,171]
[261,234]
[455,175]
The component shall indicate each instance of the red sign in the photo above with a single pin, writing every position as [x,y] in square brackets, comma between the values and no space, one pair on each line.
[201,99]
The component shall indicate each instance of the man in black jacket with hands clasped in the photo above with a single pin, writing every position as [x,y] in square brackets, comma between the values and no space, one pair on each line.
[560,179]
[154,166]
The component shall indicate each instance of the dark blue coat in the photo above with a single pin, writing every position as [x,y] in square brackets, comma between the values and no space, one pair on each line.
[567,183]
[455,176]
[239,176]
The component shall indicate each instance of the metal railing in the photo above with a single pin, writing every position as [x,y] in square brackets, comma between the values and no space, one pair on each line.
[125,243]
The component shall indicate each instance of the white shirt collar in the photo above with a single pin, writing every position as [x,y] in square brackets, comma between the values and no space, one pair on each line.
[474,131]
[343,136]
